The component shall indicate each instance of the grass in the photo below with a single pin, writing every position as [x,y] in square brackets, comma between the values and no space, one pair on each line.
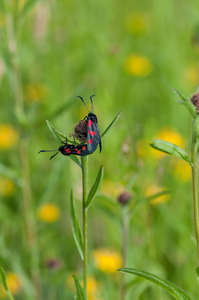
[65,49]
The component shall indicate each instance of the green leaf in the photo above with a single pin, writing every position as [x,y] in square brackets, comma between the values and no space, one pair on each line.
[96,186]
[172,149]
[106,131]
[4,281]
[80,291]
[187,104]
[77,233]
[171,288]
[197,271]
[76,160]
[53,130]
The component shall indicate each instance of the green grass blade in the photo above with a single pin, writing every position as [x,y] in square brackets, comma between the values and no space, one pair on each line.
[79,288]
[96,186]
[106,131]
[171,288]
[56,136]
[4,282]
[76,160]
[187,104]
[77,233]
[172,149]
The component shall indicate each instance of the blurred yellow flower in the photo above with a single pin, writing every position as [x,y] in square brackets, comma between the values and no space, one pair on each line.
[191,76]
[34,92]
[8,137]
[14,284]
[182,169]
[112,188]
[138,65]
[49,213]
[107,261]
[135,23]
[6,187]
[169,136]
[154,189]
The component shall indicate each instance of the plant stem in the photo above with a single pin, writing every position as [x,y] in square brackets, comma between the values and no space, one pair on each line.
[125,230]
[84,161]
[195,179]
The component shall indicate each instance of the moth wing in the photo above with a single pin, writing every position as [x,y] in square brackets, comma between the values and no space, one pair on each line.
[93,137]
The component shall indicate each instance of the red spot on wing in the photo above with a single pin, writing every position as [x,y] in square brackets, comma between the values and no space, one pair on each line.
[67,150]
[90,141]
[89,123]
[92,133]
[83,148]
[78,151]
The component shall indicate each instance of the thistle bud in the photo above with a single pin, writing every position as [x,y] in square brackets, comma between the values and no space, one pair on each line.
[81,131]
[124,198]
[195,101]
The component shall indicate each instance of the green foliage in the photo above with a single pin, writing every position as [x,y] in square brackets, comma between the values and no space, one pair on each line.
[96,187]
[171,288]
[172,149]
[4,281]
[79,288]
[187,104]
[77,233]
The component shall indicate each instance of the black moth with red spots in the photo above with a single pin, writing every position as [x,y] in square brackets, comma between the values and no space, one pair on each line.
[93,134]
[93,138]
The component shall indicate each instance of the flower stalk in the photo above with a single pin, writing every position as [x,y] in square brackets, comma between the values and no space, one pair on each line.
[84,161]
[195,131]
[125,230]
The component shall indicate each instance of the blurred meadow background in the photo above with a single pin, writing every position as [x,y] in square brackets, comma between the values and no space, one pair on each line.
[129,54]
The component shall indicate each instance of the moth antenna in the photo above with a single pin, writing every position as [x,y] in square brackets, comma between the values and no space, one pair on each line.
[54,155]
[47,151]
[83,102]
[92,108]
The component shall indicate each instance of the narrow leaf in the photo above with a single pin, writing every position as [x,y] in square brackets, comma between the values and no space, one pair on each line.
[106,131]
[172,149]
[187,104]
[76,160]
[96,186]
[52,129]
[171,288]
[77,233]
[4,282]
[80,291]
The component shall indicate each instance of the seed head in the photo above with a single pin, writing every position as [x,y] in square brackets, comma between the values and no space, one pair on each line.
[195,101]
[124,198]
[81,131]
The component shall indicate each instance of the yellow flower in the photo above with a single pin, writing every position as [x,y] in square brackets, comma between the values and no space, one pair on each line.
[34,92]
[49,213]
[8,137]
[182,169]
[190,77]
[107,261]
[112,188]
[135,23]
[154,189]
[6,187]
[169,136]
[138,65]
[14,284]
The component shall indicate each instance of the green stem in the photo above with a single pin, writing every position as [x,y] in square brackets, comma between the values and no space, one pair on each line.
[125,230]
[195,179]
[84,161]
